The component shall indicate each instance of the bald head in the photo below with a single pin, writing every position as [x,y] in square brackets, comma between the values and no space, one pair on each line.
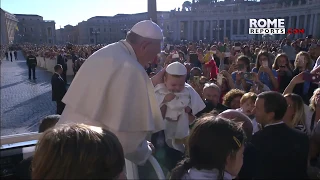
[239,117]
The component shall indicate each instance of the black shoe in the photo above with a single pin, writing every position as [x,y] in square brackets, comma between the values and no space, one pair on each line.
[34,78]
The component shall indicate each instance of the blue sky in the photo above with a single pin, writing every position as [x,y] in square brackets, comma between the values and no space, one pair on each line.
[74,11]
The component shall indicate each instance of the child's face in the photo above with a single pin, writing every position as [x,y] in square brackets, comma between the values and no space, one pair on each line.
[301,61]
[247,107]
[173,83]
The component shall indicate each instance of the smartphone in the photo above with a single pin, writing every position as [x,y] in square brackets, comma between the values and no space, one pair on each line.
[175,56]
[171,48]
[265,63]
[168,47]
[237,48]
[219,79]
[227,54]
[248,75]
[311,77]
[240,67]
[196,79]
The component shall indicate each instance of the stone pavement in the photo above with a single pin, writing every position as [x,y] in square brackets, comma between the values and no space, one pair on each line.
[23,102]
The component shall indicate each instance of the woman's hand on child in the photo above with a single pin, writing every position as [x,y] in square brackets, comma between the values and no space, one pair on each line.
[158,78]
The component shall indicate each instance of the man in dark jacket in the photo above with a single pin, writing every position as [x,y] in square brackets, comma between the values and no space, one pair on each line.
[11,54]
[211,94]
[32,63]
[61,59]
[277,151]
[15,53]
[58,88]
[7,55]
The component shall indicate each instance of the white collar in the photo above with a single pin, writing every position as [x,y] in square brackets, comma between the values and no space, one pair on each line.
[281,122]
[193,173]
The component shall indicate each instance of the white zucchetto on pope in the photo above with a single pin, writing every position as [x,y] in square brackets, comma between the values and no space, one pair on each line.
[112,90]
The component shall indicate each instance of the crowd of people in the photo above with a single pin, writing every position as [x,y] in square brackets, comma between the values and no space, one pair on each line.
[216,110]
[233,75]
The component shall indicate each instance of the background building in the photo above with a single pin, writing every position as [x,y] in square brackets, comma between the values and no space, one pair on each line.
[107,29]
[216,20]
[196,20]
[33,29]
[8,27]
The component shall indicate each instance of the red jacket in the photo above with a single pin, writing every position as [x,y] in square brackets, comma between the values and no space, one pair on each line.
[214,69]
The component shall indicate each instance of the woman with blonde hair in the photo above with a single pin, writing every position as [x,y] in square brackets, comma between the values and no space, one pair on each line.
[315,108]
[315,128]
[295,116]
[78,152]
[302,63]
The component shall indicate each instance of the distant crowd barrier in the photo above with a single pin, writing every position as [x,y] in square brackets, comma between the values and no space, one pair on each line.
[49,63]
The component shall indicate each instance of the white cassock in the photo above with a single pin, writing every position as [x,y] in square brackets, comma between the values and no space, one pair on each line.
[113,91]
[179,128]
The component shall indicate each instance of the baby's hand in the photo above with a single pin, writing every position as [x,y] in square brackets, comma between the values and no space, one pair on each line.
[188,110]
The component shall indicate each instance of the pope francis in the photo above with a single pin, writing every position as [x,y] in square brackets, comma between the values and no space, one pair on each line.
[112,90]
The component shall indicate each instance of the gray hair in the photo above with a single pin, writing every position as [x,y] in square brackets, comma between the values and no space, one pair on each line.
[211,85]
[134,38]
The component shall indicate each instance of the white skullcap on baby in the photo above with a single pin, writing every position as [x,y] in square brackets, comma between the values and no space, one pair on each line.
[176,68]
[148,29]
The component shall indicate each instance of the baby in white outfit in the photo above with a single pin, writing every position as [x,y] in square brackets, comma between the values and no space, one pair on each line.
[246,107]
[179,103]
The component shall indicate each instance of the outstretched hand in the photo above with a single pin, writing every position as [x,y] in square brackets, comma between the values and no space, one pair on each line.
[158,78]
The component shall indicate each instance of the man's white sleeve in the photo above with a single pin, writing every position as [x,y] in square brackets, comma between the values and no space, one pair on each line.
[141,155]
[135,146]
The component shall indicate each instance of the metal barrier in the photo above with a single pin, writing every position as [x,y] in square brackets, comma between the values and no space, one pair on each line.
[19,139]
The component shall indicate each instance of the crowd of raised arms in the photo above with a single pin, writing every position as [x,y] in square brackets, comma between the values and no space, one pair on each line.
[248,88]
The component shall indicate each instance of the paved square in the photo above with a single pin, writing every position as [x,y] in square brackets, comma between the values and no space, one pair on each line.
[23,102]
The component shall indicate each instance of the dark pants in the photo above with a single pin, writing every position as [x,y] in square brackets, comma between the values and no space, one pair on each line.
[33,68]
[147,171]
[60,107]
[165,155]
[64,76]
[11,58]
